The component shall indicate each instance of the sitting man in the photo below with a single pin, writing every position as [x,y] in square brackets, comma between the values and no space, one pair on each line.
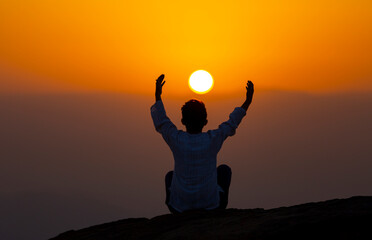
[196,182]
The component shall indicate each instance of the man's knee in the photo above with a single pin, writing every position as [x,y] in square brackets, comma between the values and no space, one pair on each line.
[169,175]
[224,169]
[168,178]
[224,177]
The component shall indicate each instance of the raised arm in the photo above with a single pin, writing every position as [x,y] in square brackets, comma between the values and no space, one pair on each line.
[249,95]
[161,121]
[228,128]
[159,87]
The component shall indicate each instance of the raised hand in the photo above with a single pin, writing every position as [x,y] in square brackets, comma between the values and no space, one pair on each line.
[249,95]
[159,87]
[250,90]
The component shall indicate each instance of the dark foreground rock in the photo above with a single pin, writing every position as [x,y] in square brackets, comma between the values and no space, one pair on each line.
[334,219]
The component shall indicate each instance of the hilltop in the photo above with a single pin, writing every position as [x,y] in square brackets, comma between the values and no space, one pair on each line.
[333,219]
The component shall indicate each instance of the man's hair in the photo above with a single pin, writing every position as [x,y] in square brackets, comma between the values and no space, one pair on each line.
[194,114]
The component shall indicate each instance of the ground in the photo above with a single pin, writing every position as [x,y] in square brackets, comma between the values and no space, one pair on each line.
[334,219]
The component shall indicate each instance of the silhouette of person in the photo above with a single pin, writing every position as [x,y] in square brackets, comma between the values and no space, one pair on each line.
[196,182]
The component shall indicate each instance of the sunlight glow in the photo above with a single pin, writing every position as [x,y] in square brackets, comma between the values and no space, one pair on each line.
[201,82]
[101,46]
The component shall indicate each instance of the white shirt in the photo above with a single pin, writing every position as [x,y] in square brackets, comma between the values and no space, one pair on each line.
[194,183]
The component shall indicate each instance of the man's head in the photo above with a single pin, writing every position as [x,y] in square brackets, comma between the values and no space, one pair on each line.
[194,116]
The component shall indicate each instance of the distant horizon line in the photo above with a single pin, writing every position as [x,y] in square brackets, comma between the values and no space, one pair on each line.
[211,95]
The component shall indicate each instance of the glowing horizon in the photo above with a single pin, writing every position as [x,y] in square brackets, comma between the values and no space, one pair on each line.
[110,46]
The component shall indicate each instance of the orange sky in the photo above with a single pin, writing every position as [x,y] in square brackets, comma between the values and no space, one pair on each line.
[122,46]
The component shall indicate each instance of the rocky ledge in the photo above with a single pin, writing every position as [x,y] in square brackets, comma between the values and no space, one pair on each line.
[333,219]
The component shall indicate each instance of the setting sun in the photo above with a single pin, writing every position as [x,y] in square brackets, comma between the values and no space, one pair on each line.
[201,81]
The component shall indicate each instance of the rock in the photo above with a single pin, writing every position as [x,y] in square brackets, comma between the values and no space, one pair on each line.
[334,219]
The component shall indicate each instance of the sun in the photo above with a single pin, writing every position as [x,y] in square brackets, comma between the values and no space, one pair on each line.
[201,81]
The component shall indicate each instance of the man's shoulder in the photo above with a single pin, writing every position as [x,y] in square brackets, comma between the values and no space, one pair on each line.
[212,132]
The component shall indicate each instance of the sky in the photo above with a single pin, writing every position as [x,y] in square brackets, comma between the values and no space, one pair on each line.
[122,46]
[77,78]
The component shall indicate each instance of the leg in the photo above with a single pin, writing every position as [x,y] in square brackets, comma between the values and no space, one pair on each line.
[223,180]
[168,181]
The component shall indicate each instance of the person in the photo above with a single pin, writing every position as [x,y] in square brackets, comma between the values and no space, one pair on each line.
[196,182]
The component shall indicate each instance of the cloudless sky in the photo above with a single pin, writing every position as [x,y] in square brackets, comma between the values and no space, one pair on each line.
[122,46]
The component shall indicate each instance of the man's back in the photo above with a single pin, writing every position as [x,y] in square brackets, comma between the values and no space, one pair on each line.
[194,183]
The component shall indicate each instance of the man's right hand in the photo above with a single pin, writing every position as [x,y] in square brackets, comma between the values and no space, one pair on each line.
[250,90]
